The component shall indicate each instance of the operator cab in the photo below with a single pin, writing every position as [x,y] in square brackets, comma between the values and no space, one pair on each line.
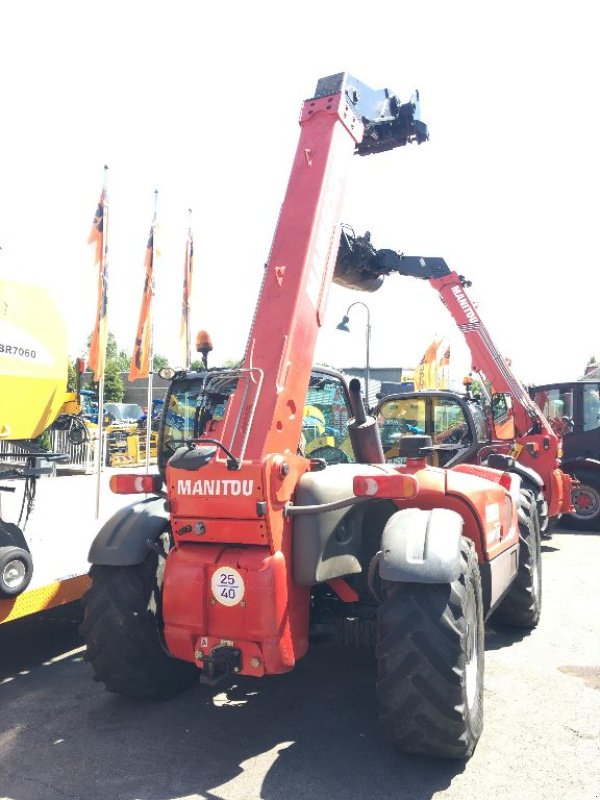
[196,403]
[457,425]
[573,411]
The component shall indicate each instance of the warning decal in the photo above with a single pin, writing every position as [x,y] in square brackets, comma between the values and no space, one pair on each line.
[227,586]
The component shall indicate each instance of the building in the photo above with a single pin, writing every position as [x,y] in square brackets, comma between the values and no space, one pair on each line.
[382,380]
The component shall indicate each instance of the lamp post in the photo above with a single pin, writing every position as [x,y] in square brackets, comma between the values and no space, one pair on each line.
[343,326]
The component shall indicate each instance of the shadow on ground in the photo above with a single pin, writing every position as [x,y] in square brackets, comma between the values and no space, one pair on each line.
[29,642]
[315,733]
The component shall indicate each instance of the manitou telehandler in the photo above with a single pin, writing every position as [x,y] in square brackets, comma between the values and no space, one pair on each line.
[248,546]
[505,430]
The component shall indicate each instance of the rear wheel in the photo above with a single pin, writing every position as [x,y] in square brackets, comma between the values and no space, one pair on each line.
[122,631]
[522,604]
[586,502]
[430,655]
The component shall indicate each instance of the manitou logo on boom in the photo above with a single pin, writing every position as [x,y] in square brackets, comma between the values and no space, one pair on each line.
[215,488]
[465,305]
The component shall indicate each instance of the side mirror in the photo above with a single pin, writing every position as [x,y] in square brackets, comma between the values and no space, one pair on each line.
[503,417]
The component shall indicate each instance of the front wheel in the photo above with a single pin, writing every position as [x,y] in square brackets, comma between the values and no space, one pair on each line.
[122,631]
[586,502]
[430,658]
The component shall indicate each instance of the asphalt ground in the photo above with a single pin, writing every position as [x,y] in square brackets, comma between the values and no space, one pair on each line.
[312,733]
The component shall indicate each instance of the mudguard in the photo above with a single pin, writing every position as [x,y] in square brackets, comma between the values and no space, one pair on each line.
[527,474]
[421,546]
[126,537]
[508,464]
[580,462]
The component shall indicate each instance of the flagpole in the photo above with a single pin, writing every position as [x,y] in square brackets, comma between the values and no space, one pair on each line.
[188,357]
[101,382]
[151,323]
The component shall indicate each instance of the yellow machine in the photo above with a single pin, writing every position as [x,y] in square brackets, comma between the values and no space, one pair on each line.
[33,362]
[314,430]
[33,383]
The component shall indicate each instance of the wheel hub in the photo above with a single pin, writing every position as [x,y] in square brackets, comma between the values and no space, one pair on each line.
[13,574]
[586,501]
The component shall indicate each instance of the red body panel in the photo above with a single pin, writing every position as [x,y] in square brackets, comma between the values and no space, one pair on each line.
[475,493]
[268,622]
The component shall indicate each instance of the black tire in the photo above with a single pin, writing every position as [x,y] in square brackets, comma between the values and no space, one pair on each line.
[586,500]
[430,657]
[121,627]
[542,508]
[522,604]
[16,570]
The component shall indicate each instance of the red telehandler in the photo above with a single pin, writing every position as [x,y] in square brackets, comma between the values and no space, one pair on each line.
[247,546]
[508,431]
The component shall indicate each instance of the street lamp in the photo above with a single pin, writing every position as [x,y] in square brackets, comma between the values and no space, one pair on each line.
[343,326]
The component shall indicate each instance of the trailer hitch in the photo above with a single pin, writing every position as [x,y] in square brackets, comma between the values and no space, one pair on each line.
[219,664]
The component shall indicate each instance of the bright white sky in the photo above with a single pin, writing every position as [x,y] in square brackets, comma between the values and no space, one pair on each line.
[201,101]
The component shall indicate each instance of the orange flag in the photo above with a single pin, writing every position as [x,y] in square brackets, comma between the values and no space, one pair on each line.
[425,372]
[98,237]
[444,370]
[188,269]
[140,360]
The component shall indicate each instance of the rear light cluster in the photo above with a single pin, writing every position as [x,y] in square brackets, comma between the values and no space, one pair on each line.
[403,487]
[135,484]
[506,480]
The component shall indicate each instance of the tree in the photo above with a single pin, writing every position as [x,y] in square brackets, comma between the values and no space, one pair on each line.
[114,390]
[229,363]
[111,347]
[158,362]
[123,360]
[72,376]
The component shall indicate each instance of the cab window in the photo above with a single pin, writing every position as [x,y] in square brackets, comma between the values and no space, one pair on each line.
[481,424]
[400,417]
[449,423]
[591,408]
[324,420]
[557,406]
[179,417]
